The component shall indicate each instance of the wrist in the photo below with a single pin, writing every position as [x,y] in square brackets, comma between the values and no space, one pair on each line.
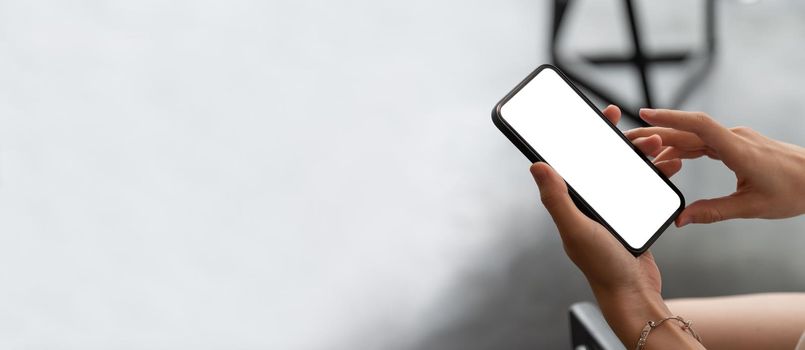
[628,311]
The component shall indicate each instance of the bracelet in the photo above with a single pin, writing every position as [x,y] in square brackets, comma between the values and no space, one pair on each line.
[686,326]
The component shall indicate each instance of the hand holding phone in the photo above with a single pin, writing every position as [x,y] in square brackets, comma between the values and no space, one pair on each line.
[586,242]
[626,288]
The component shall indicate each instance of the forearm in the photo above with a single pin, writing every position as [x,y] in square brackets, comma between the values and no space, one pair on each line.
[758,321]
[628,312]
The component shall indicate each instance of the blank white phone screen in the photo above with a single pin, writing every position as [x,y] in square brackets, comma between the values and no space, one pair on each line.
[570,136]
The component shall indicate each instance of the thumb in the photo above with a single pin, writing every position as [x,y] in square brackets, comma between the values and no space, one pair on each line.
[707,211]
[553,193]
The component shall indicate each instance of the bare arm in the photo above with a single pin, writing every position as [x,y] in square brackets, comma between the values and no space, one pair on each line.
[757,321]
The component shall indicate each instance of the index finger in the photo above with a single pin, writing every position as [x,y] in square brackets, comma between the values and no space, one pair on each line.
[710,131]
[670,137]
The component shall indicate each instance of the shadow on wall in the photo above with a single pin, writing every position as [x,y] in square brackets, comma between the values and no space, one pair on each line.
[521,306]
[524,304]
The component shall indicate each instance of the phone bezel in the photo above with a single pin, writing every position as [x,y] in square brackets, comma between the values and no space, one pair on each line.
[534,157]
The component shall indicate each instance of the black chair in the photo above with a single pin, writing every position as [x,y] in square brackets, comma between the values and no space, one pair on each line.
[637,58]
[589,330]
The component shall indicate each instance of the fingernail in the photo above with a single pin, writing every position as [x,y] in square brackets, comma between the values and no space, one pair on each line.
[647,112]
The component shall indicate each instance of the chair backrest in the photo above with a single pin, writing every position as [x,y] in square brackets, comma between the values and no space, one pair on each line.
[589,330]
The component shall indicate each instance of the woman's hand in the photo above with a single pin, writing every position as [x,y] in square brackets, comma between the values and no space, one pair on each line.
[627,288]
[587,243]
[770,174]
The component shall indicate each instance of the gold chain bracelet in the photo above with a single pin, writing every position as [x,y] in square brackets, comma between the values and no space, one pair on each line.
[686,326]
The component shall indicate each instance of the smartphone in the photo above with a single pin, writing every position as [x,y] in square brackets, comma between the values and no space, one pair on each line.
[610,180]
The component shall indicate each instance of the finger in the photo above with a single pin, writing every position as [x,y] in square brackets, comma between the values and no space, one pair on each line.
[650,146]
[707,211]
[668,154]
[553,192]
[709,130]
[674,153]
[670,137]
[613,114]
[669,167]
[645,131]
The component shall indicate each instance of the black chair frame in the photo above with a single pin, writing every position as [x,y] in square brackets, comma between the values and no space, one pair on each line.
[637,58]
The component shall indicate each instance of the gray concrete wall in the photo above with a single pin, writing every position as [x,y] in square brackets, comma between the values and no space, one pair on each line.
[324,174]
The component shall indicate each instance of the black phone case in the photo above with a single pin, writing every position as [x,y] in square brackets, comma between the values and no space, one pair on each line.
[534,157]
